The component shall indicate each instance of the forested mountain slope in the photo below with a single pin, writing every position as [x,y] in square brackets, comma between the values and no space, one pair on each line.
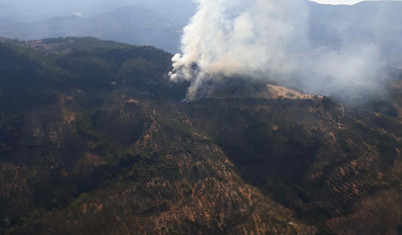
[95,140]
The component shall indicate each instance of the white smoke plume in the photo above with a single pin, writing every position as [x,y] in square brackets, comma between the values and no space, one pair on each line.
[267,39]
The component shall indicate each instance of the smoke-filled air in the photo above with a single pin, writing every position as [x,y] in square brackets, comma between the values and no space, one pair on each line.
[272,40]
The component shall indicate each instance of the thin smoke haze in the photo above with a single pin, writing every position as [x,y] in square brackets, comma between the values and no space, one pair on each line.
[268,39]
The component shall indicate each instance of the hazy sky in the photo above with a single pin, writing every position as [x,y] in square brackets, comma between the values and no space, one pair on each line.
[348,2]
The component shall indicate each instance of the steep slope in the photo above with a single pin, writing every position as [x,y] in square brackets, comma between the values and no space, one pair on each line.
[112,147]
[335,166]
[170,180]
[94,140]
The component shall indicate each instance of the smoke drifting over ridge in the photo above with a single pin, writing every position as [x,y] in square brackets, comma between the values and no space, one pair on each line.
[269,39]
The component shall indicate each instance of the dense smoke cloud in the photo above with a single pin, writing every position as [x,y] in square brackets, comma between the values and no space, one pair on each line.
[269,39]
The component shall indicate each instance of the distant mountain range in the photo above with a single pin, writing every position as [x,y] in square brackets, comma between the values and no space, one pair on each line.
[366,22]
[159,23]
